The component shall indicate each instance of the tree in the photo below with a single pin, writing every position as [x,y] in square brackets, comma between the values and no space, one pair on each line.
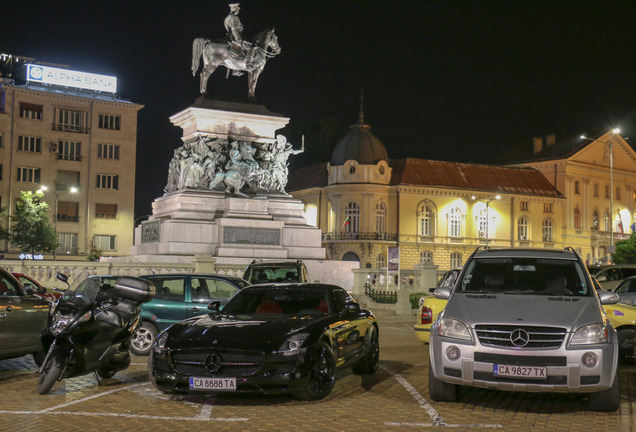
[31,230]
[626,251]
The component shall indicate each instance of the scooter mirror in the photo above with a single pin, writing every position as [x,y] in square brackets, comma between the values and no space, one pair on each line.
[62,277]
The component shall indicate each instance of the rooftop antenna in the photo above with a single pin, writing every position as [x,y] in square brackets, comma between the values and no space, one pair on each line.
[361,116]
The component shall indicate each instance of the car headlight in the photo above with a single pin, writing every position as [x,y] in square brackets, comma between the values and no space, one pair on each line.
[453,328]
[160,343]
[590,334]
[293,344]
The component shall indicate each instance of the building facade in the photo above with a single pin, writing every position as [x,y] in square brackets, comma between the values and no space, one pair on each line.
[81,145]
[435,211]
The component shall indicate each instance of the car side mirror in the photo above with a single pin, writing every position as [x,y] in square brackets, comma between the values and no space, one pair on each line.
[352,307]
[214,305]
[431,290]
[442,293]
[30,289]
[607,297]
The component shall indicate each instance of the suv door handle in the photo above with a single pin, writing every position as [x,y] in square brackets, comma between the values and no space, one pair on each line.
[9,308]
[195,309]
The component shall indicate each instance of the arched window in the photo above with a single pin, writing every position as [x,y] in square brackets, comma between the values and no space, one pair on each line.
[482,223]
[522,228]
[351,222]
[595,220]
[425,220]
[455,222]
[577,218]
[350,256]
[456,260]
[380,261]
[547,231]
[380,217]
[606,221]
[426,256]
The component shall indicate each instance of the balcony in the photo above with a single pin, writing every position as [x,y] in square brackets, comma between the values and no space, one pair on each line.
[342,235]
[69,128]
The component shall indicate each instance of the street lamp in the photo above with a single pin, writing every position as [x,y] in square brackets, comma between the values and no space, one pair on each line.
[487,202]
[57,194]
[611,167]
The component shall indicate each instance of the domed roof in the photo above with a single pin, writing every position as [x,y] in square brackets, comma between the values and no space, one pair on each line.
[359,144]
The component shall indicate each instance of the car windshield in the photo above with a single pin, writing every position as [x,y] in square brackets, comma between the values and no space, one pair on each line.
[289,301]
[273,274]
[525,276]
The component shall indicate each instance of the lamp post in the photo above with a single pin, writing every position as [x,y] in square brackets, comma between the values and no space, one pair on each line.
[487,202]
[57,194]
[611,167]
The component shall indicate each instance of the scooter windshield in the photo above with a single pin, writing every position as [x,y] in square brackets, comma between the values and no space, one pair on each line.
[85,292]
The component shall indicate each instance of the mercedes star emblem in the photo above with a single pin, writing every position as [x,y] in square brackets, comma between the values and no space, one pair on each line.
[213,362]
[520,338]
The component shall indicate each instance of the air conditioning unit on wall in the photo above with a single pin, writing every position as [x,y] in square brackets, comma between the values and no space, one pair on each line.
[53,148]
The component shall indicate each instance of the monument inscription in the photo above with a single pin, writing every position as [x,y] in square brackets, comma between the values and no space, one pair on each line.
[257,236]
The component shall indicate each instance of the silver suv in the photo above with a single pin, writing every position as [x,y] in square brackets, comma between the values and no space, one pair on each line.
[525,320]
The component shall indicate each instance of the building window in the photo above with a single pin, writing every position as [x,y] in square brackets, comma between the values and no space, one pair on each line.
[455,260]
[380,261]
[108,181]
[596,190]
[352,218]
[523,205]
[547,207]
[577,187]
[425,216]
[69,121]
[67,243]
[108,121]
[426,256]
[522,228]
[66,180]
[108,151]
[607,191]
[577,218]
[1,140]
[618,193]
[67,211]
[104,242]
[547,230]
[28,175]
[70,151]
[29,144]
[30,111]
[455,222]
[380,218]
[106,211]
[1,171]
[595,220]
[482,223]
[606,221]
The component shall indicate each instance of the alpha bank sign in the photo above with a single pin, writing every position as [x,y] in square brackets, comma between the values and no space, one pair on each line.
[70,78]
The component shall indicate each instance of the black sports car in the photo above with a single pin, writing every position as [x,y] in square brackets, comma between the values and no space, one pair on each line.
[275,338]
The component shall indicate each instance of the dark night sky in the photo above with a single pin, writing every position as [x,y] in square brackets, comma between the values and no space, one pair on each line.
[443,80]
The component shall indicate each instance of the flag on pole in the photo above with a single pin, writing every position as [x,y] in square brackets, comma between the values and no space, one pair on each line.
[633,227]
[346,222]
[620,226]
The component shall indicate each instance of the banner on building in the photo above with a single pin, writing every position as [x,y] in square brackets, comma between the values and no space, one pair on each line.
[393,258]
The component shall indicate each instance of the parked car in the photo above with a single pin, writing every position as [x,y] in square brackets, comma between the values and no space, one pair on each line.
[611,275]
[23,318]
[180,296]
[270,271]
[29,282]
[525,320]
[270,338]
[626,291]
[430,307]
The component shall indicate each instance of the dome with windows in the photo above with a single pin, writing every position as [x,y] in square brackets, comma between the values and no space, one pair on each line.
[360,145]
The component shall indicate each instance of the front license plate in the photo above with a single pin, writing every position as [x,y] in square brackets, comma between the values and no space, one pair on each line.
[520,371]
[217,384]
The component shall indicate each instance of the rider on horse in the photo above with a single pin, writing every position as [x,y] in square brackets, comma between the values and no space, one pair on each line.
[234,29]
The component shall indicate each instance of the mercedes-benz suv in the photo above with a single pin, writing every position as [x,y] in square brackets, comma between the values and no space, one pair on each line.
[525,320]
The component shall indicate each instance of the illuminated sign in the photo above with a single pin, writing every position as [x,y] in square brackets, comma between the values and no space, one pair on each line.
[70,78]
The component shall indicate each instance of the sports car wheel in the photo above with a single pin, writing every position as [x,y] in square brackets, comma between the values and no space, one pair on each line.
[322,376]
[143,339]
[371,358]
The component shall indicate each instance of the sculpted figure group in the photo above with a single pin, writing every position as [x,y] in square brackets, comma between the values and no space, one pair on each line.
[212,163]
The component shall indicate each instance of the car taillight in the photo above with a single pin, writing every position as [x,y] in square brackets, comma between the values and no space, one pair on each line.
[427,315]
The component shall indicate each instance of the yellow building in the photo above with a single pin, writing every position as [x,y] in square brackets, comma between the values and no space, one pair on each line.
[600,198]
[434,211]
[78,142]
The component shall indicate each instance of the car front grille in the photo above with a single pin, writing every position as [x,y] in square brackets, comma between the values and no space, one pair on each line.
[216,363]
[514,336]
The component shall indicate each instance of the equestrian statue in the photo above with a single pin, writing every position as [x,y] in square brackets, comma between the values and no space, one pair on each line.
[234,53]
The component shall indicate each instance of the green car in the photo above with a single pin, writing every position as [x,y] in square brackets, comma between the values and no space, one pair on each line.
[180,296]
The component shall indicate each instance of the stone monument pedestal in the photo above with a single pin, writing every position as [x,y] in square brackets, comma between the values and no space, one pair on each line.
[195,217]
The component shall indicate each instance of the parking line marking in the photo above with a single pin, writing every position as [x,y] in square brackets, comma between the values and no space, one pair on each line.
[206,412]
[46,410]
[133,416]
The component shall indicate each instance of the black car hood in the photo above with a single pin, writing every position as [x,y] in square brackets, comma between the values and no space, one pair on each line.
[253,332]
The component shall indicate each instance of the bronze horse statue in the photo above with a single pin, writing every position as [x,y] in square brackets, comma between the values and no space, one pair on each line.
[217,54]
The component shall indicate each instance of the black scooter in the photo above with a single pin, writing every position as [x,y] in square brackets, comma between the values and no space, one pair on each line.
[89,328]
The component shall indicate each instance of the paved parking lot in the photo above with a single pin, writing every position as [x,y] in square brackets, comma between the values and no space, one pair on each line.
[394,399]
